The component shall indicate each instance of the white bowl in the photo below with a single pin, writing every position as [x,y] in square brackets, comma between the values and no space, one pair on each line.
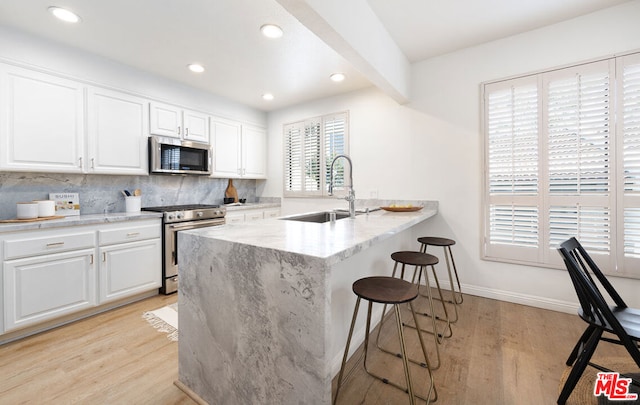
[27,210]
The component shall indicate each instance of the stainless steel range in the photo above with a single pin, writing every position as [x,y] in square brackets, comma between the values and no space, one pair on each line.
[179,218]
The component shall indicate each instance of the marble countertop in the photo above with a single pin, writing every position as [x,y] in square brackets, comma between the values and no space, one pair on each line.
[332,242]
[250,206]
[77,220]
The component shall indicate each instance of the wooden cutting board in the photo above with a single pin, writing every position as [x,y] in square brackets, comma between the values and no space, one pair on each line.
[231,191]
[7,221]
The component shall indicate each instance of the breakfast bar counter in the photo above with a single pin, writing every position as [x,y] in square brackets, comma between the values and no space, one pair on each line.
[265,306]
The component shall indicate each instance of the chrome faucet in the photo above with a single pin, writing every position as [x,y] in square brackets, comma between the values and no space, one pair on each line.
[352,194]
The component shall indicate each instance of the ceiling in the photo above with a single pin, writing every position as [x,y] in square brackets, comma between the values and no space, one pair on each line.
[164,36]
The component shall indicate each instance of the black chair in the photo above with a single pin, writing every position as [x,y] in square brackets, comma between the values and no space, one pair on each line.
[618,320]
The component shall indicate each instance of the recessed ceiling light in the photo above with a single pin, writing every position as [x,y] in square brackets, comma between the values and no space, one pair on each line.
[196,68]
[64,14]
[267,96]
[271,31]
[337,77]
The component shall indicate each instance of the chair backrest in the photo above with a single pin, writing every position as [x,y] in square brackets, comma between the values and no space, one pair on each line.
[572,248]
[579,264]
[595,310]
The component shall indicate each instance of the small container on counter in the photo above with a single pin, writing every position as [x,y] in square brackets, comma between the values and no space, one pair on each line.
[27,210]
[133,203]
[46,208]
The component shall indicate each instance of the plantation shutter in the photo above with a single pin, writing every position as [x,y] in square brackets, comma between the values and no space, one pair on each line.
[335,135]
[628,74]
[309,147]
[512,181]
[293,157]
[312,149]
[579,151]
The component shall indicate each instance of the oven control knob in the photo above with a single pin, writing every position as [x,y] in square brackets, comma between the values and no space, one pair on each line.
[180,215]
[199,214]
[170,217]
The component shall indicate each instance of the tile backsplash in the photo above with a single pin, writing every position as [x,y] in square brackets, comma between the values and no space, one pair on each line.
[102,193]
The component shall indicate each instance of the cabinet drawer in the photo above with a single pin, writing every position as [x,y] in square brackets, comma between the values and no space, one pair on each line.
[253,216]
[33,245]
[128,234]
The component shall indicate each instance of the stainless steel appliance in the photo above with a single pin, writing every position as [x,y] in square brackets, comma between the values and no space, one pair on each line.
[176,156]
[179,218]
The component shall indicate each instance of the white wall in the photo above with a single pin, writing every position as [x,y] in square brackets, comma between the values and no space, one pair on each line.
[431,149]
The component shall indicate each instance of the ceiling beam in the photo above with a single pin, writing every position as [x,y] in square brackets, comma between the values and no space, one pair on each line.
[353,30]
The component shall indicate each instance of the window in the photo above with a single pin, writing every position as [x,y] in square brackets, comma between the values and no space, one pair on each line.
[309,149]
[562,159]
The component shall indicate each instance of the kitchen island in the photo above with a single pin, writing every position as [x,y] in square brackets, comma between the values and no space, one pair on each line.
[265,306]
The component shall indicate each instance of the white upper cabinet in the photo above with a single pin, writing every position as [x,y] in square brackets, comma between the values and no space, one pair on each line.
[226,143]
[254,152]
[117,133]
[240,151]
[173,121]
[42,122]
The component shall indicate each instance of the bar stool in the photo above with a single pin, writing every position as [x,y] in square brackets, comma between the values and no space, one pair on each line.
[388,291]
[420,261]
[456,296]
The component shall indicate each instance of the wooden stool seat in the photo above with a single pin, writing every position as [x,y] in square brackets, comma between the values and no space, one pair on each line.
[436,241]
[414,258]
[385,290]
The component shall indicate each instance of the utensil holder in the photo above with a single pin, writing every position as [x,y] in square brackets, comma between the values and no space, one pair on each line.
[133,203]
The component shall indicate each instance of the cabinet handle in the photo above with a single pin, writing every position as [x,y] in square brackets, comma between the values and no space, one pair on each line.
[55,244]
[186,131]
[132,234]
[91,259]
[178,130]
[104,256]
[92,163]
[80,162]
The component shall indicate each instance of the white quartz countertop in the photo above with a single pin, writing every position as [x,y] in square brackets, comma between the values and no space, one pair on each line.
[250,206]
[333,242]
[77,220]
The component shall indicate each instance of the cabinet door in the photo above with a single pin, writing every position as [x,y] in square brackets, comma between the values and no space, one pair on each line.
[254,152]
[165,119]
[130,268]
[42,124]
[118,133]
[226,148]
[46,287]
[196,126]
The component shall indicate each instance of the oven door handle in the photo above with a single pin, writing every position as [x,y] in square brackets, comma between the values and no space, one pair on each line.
[195,224]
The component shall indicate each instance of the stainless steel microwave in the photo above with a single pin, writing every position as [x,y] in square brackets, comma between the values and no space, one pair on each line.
[176,156]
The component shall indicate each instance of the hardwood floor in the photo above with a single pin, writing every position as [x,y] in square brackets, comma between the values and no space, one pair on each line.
[500,353]
[111,358]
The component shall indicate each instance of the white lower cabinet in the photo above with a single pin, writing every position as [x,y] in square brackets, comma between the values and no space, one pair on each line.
[47,274]
[46,287]
[129,268]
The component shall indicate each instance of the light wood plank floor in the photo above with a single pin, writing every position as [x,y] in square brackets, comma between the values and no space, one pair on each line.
[500,353]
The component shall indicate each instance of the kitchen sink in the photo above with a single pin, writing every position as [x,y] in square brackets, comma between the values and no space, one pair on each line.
[317,217]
